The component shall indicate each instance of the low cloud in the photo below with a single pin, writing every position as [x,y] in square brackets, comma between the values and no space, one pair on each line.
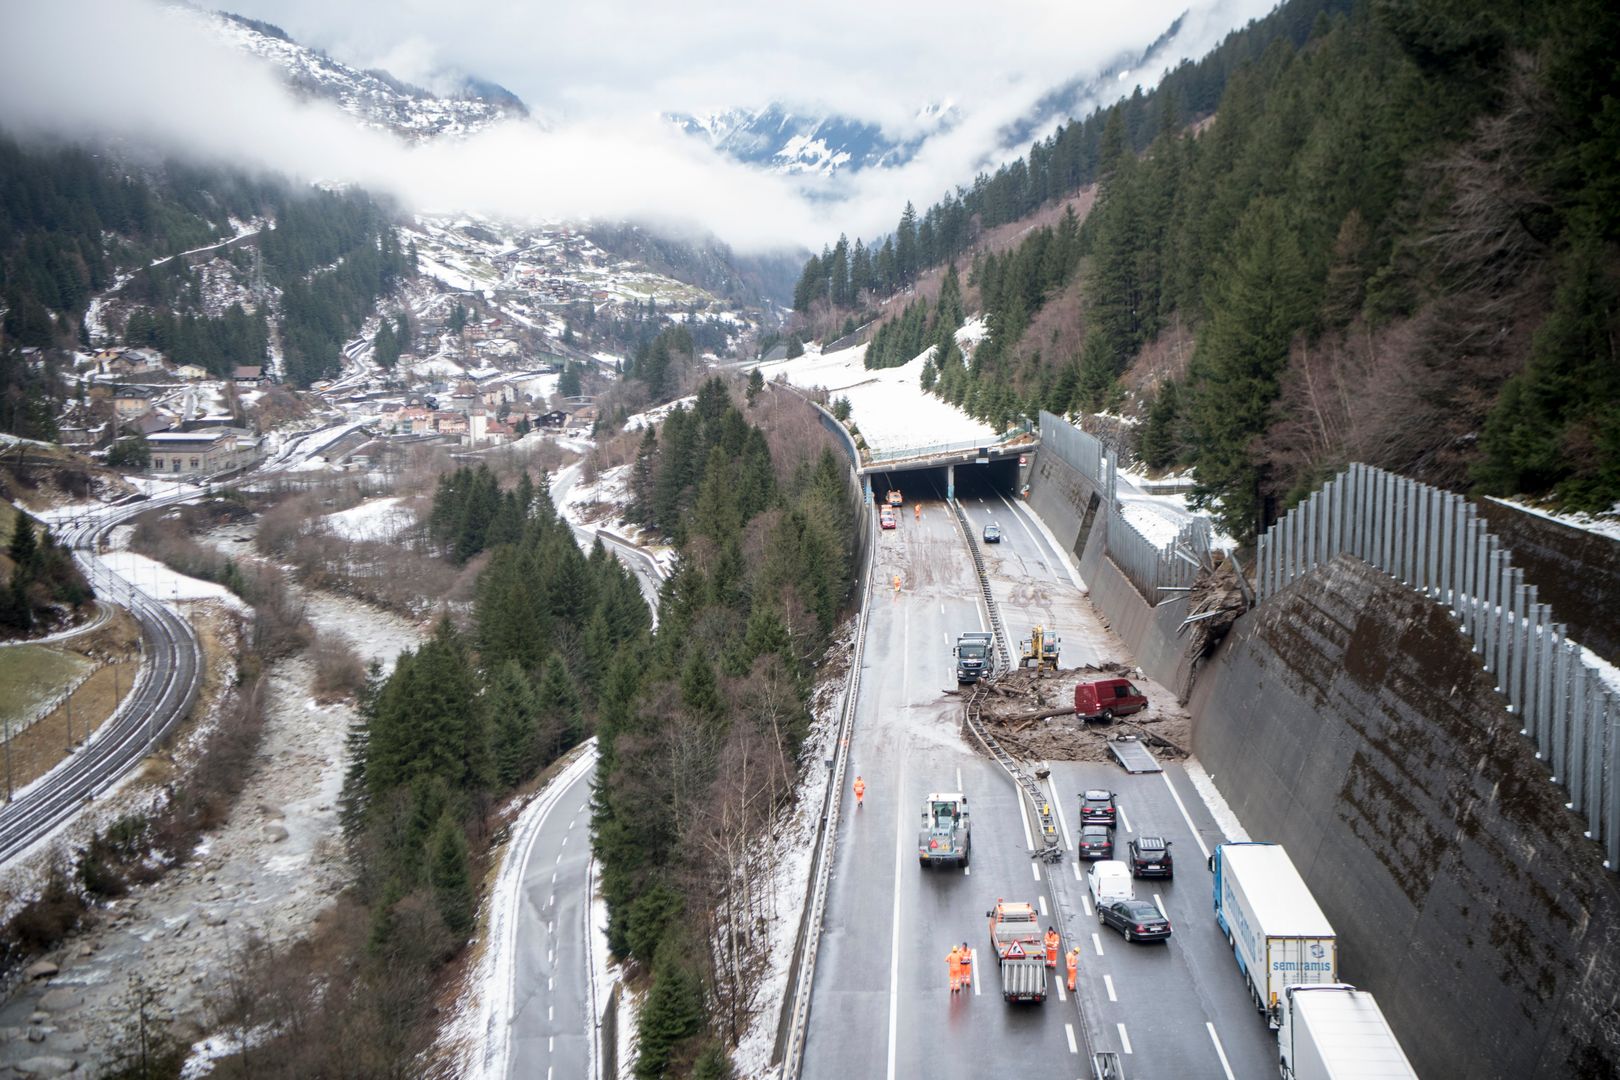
[131,71]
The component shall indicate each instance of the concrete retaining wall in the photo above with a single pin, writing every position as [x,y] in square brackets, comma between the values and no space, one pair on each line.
[1350,721]
[1062,496]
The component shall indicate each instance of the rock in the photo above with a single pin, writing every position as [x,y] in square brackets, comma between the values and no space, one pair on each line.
[274,834]
[213,918]
[60,1000]
[69,1042]
[272,811]
[39,1034]
[40,1018]
[45,1066]
[86,952]
[41,969]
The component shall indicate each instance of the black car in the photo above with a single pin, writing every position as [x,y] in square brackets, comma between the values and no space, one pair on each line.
[992,534]
[1138,920]
[1150,857]
[1096,842]
[1097,807]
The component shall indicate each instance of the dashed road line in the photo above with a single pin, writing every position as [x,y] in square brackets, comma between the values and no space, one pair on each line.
[1220,1051]
[1124,1038]
[974,974]
[1036,868]
[1108,985]
[1042,899]
[1125,821]
[1096,942]
[1074,1047]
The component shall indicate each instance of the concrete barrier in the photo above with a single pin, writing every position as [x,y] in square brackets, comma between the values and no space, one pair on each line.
[1349,720]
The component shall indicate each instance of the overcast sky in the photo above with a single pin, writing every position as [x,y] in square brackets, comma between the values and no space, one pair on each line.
[599,73]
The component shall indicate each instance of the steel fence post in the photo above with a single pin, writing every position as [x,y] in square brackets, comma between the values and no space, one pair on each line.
[1516,656]
[1611,813]
[1560,706]
[1504,572]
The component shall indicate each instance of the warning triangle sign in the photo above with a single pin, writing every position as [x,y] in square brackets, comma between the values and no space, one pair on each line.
[1016,952]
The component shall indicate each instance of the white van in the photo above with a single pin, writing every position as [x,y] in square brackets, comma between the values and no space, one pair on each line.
[1109,880]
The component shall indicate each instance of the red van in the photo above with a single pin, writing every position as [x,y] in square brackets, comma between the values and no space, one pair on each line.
[1104,699]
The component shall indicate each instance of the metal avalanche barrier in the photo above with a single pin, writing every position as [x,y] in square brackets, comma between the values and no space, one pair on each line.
[1435,542]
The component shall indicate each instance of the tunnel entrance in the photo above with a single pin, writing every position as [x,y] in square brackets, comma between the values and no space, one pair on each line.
[930,482]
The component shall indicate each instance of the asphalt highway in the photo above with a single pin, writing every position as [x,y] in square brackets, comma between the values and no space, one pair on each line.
[881,1005]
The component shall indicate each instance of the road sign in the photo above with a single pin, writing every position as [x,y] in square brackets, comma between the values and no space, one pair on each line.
[1016,952]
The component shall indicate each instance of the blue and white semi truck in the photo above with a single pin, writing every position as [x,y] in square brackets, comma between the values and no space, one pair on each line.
[1277,932]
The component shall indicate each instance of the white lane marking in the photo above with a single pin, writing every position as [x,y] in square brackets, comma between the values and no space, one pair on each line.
[551,1012]
[551,1044]
[1036,544]
[1085,902]
[1036,867]
[1077,874]
[1220,1051]
[967,871]
[1124,1038]
[551,901]
[559,858]
[551,928]
[1074,1047]
[1061,995]
[899,864]
[974,974]
[574,821]
[565,841]
[946,636]
[1057,808]
[1199,840]
[959,778]
[1096,942]
[551,983]
[554,879]
[1160,905]
[1052,546]
[1023,819]
[1125,821]
[942,611]
[1108,985]
[548,1071]
[1042,899]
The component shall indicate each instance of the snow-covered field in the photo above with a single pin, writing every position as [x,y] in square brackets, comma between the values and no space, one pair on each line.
[378,519]
[161,583]
[656,415]
[889,406]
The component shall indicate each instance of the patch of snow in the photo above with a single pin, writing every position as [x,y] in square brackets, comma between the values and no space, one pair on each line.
[377,519]
[1157,526]
[163,584]
[654,415]
[889,406]
[972,332]
[1602,524]
[1605,670]
[1216,803]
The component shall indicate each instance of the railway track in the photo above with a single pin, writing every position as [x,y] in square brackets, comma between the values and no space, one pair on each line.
[160,698]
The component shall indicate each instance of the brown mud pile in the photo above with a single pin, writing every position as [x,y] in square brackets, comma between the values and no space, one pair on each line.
[1013,710]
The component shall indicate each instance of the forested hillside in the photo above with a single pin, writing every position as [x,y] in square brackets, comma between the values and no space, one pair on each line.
[700,728]
[1394,243]
[75,224]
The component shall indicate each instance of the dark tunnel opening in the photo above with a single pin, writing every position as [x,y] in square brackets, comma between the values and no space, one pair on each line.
[973,481]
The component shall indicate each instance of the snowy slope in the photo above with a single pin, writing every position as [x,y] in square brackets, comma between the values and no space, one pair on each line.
[779,140]
[373,98]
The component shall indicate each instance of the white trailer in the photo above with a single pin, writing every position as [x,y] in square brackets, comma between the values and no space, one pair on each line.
[1332,1031]
[1277,932]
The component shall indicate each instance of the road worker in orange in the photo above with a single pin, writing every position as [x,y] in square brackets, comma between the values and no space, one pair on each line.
[916,511]
[1074,965]
[953,960]
[1052,946]
[967,967]
[860,791]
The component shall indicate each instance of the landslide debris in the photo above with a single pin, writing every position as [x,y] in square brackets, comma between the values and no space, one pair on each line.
[1031,714]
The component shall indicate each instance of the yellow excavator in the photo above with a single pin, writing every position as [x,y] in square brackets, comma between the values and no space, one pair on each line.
[1040,649]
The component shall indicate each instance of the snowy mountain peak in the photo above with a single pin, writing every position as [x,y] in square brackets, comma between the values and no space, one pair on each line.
[783,141]
[374,98]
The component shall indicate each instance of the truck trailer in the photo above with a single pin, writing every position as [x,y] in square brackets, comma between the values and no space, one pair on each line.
[1015,938]
[1277,932]
[1332,1031]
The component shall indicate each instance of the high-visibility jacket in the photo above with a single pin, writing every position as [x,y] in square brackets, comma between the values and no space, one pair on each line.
[1074,964]
[1051,948]
[860,788]
[953,960]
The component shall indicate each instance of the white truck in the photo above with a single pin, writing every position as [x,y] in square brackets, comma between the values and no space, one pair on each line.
[1332,1031]
[1277,932]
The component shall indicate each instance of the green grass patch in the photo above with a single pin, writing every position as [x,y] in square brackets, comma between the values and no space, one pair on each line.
[31,675]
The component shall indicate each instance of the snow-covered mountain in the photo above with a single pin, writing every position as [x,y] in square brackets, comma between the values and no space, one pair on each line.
[780,140]
[374,98]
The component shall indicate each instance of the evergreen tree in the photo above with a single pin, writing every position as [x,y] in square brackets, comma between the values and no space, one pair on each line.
[450,878]
[513,714]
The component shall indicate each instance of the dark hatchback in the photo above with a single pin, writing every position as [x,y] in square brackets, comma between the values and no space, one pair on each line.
[1137,920]
[1150,857]
[1097,807]
[1096,842]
